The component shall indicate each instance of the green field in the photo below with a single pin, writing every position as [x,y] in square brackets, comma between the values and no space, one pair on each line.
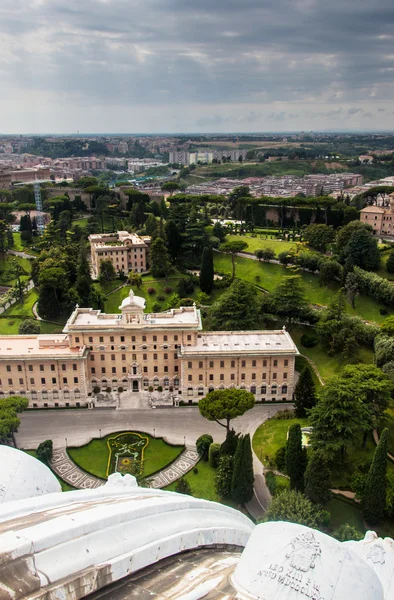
[6,263]
[202,484]
[25,307]
[270,275]
[272,435]
[93,457]
[257,243]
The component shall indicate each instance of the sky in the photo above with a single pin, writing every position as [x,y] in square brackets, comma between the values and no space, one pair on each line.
[158,66]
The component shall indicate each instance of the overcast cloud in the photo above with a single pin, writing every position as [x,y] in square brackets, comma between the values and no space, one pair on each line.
[182,65]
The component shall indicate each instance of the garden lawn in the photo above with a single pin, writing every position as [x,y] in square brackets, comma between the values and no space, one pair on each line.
[6,263]
[23,308]
[202,483]
[271,436]
[21,246]
[93,457]
[344,511]
[326,365]
[269,275]
[260,243]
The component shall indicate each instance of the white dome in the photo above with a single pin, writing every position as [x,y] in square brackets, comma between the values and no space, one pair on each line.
[22,476]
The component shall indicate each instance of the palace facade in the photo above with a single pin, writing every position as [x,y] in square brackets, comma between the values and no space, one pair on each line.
[127,251]
[137,351]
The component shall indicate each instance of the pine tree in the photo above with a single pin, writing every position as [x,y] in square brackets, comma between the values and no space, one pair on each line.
[374,500]
[243,478]
[295,458]
[83,283]
[159,260]
[304,392]
[317,479]
[206,273]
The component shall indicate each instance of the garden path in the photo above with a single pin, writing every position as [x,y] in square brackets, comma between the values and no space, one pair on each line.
[66,469]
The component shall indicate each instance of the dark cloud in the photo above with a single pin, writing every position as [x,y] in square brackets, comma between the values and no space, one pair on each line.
[157,53]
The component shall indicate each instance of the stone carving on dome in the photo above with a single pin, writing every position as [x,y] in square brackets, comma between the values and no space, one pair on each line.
[305,549]
[377,554]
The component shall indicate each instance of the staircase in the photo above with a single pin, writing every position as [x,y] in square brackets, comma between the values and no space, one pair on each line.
[133,400]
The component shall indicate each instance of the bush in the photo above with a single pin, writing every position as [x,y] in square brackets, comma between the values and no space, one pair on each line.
[195,470]
[45,451]
[284,414]
[202,445]
[280,459]
[187,302]
[347,532]
[168,290]
[159,388]
[108,389]
[183,487]
[151,291]
[271,482]
[150,388]
[96,389]
[224,476]
[161,298]
[156,307]
[214,455]
[120,389]
[309,340]
[29,326]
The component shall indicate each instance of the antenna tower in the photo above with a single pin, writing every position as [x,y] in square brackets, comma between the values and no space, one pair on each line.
[38,200]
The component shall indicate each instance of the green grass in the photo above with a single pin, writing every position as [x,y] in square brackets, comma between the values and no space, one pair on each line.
[257,243]
[21,246]
[272,435]
[93,457]
[344,511]
[6,263]
[106,287]
[270,275]
[81,222]
[202,484]
[326,365]
[25,307]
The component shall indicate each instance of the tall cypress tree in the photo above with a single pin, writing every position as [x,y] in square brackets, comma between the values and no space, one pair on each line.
[374,500]
[206,273]
[243,478]
[304,392]
[83,283]
[317,479]
[295,458]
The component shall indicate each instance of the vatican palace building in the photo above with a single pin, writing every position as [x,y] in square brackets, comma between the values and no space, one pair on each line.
[135,351]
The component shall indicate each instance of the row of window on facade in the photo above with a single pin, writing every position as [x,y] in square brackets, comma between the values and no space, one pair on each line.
[44,393]
[133,338]
[233,362]
[30,368]
[10,381]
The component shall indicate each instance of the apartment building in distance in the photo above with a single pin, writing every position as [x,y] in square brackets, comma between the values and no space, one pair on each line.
[127,251]
[381,219]
[135,351]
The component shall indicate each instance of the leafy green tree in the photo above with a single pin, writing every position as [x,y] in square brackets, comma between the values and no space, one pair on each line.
[151,225]
[345,233]
[390,263]
[295,460]
[317,479]
[174,239]
[289,297]
[29,327]
[135,279]
[159,260]
[182,486]
[170,186]
[236,309]
[225,405]
[229,445]
[45,451]
[292,506]
[219,231]
[207,272]
[243,478]
[233,247]
[224,476]
[84,282]
[202,444]
[387,327]
[384,349]
[305,396]
[214,455]
[362,251]
[319,236]
[9,420]
[53,283]
[351,288]
[374,499]
[266,254]
[337,419]
[107,270]
[330,270]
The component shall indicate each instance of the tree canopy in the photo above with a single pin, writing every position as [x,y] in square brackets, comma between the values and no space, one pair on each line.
[237,309]
[224,405]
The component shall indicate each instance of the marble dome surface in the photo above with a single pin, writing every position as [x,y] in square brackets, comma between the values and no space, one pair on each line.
[23,476]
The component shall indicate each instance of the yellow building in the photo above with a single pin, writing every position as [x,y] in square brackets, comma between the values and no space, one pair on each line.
[127,251]
[137,351]
[381,219]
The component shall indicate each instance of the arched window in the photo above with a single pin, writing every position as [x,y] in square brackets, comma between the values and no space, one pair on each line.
[66,394]
[263,389]
[166,382]
[200,391]
[253,389]
[221,387]
[242,387]
[146,382]
[44,394]
[55,394]
[190,391]
[124,381]
[211,388]
[77,393]
[176,383]
[273,390]
[284,389]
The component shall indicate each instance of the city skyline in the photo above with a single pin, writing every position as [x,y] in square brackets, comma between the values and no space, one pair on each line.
[172,66]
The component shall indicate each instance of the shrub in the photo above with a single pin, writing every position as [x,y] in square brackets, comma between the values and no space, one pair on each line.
[168,290]
[347,532]
[150,388]
[280,459]
[183,487]
[108,389]
[29,326]
[96,389]
[271,482]
[156,307]
[45,451]
[284,414]
[309,340]
[214,455]
[151,291]
[161,298]
[224,476]
[120,389]
[202,445]
[159,388]
[187,302]
[195,470]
